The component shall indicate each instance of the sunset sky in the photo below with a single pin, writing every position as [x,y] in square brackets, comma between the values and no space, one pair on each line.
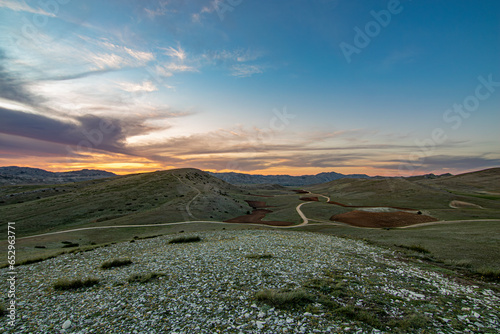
[263,87]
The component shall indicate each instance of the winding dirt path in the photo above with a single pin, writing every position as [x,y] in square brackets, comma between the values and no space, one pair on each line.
[188,205]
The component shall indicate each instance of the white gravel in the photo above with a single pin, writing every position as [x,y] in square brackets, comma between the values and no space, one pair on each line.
[209,287]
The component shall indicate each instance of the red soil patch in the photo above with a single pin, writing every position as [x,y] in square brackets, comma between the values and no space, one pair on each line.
[257,204]
[299,191]
[362,206]
[381,219]
[256,218]
[310,199]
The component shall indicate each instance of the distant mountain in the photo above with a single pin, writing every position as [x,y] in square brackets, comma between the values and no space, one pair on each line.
[25,175]
[284,180]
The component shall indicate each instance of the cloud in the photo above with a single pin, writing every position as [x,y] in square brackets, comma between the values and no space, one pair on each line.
[178,53]
[161,10]
[244,70]
[22,6]
[106,134]
[12,87]
[146,86]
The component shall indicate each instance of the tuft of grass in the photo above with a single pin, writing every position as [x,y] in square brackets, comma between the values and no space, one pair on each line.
[416,248]
[66,284]
[70,245]
[115,263]
[180,240]
[259,256]
[284,299]
[488,273]
[144,278]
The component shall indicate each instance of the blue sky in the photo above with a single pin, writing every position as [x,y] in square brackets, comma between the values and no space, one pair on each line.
[269,87]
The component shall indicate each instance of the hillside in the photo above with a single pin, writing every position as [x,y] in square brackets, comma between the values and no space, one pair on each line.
[248,282]
[150,198]
[26,175]
[283,180]
[485,182]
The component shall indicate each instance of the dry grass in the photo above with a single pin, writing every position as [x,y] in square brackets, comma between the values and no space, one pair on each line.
[66,284]
[186,239]
[284,299]
[116,263]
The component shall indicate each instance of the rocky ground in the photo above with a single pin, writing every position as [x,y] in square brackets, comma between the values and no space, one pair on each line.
[210,287]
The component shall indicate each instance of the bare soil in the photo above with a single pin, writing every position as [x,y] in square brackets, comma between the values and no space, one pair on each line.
[381,219]
[309,199]
[256,218]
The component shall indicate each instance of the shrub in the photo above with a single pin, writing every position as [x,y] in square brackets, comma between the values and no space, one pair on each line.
[259,256]
[144,278]
[185,239]
[416,248]
[65,284]
[489,274]
[116,263]
[284,299]
[70,245]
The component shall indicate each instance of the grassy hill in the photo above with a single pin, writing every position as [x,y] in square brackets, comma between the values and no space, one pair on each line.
[159,197]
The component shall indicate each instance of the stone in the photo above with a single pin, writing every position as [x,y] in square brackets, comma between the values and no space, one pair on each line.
[66,324]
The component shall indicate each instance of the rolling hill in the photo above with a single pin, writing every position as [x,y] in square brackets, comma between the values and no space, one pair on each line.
[26,175]
[159,197]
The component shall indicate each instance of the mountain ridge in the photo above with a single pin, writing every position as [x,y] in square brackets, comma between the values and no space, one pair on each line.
[284,180]
[14,175]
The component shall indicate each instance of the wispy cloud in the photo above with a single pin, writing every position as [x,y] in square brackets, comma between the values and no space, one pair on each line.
[177,53]
[146,86]
[246,70]
[22,6]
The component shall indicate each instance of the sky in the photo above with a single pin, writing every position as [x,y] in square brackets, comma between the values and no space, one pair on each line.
[381,87]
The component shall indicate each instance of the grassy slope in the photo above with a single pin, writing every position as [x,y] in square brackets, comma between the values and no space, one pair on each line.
[160,197]
[133,199]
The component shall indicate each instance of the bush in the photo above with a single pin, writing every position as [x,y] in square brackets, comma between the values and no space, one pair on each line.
[185,239]
[144,278]
[259,256]
[65,284]
[416,248]
[116,263]
[70,245]
[284,299]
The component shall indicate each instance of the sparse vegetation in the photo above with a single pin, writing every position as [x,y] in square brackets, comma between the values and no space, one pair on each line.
[66,284]
[186,239]
[116,263]
[144,278]
[284,299]
[70,245]
[416,248]
[488,273]
[259,256]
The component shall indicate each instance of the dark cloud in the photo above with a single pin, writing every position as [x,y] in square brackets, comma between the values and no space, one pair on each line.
[13,88]
[440,162]
[80,75]
[85,132]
